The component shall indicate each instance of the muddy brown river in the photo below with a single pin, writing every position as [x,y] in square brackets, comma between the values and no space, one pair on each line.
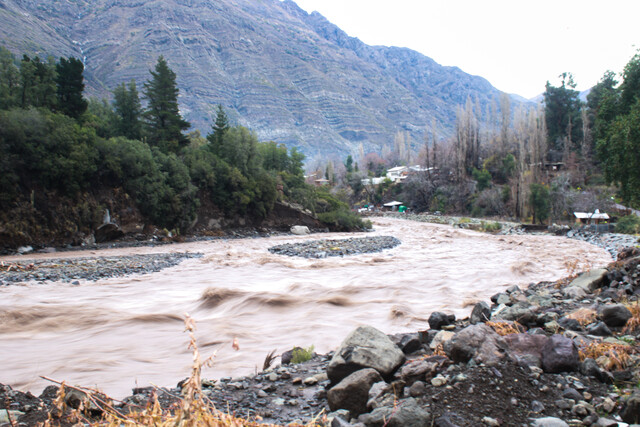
[124,332]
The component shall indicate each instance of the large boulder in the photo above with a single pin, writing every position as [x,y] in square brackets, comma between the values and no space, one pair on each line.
[631,410]
[300,230]
[615,315]
[108,232]
[481,313]
[560,354]
[352,393]
[407,413]
[478,342]
[438,319]
[521,313]
[591,280]
[365,347]
[525,349]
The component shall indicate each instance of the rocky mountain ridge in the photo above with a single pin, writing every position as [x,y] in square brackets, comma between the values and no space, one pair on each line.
[291,76]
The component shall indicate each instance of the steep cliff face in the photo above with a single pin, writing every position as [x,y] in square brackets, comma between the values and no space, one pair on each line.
[292,77]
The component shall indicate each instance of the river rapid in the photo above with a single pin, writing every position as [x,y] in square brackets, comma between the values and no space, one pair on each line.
[124,332]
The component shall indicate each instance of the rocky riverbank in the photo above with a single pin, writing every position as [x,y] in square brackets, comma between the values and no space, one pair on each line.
[555,354]
[87,268]
[336,247]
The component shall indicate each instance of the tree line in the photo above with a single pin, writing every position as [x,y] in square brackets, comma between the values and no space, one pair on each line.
[53,140]
[535,162]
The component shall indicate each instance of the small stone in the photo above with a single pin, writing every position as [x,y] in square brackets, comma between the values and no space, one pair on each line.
[537,407]
[438,381]
[292,402]
[262,393]
[272,376]
[296,380]
[278,401]
[491,422]
[310,381]
[417,389]
[608,405]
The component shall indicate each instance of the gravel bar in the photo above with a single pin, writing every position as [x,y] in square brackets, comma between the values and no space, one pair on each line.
[88,268]
[343,247]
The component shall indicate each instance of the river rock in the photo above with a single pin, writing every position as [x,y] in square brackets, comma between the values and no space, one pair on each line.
[481,313]
[352,393]
[365,347]
[407,413]
[549,422]
[591,280]
[520,313]
[574,292]
[478,342]
[560,354]
[107,233]
[441,338]
[300,230]
[631,410]
[525,349]
[599,329]
[438,319]
[615,315]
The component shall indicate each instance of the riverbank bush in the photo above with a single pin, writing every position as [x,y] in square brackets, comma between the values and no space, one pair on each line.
[629,224]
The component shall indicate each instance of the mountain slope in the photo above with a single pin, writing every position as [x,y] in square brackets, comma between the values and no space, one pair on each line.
[291,76]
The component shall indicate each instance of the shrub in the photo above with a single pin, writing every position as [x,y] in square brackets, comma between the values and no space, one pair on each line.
[629,224]
[301,355]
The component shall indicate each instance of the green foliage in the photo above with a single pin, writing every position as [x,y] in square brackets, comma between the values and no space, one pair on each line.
[160,183]
[562,113]
[336,213]
[491,227]
[349,164]
[38,83]
[128,111]
[482,177]
[301,355]
[9,79]
[100,117]
[218,130]
[239,149]
[539,202]
[47,149]
[629,224]
[70,85]
[163,121]
[617,126]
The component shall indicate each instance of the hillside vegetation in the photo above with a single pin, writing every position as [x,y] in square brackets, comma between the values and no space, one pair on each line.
[64,159]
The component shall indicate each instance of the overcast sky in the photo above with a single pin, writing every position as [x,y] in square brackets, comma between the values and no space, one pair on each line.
[516,45]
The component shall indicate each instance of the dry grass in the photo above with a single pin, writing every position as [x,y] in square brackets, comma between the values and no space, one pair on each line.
[584,316]
[504,328]
[438,351]
[193,409]
[618,356]
[633,324]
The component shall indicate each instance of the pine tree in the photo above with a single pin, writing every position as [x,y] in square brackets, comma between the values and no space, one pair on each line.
[219,128]
[70,84]
[127,107]
[164,124]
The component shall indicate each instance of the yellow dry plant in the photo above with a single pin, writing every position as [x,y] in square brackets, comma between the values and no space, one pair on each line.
[633,324]
[584,316]
[618,356]
[504,328]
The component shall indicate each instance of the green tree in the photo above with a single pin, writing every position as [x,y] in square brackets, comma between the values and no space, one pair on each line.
[128,110]
[9,79]
[539,202]
[630,87]
[218,130]
[349,164]
[562,113]
[239,149]
[164,124]
[38,83]
[70,83]
[100,116]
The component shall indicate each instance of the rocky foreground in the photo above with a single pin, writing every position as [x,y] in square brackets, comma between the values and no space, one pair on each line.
[555,354]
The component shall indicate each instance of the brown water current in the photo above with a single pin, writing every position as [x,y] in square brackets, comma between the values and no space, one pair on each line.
[125,332]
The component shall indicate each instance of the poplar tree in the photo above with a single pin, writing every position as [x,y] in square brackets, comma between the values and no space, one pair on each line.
[163,121]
